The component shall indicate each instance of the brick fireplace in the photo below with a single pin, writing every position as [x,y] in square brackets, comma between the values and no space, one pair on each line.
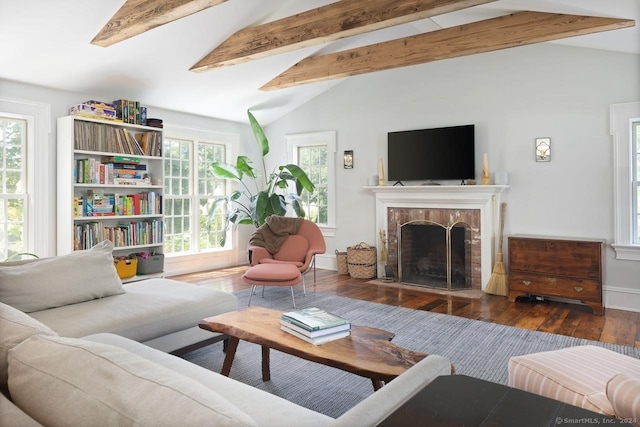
[466,216]
[437,248]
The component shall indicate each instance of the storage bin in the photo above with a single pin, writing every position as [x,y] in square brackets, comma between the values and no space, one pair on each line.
[341,258]
[126,268]
[362,261]
[150,264]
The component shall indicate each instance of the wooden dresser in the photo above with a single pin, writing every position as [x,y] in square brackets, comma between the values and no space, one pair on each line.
[557,267]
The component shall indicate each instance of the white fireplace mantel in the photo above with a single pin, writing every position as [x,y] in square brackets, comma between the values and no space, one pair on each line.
[485,198]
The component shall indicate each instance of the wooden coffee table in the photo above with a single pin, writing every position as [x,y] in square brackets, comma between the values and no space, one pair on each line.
[368,352]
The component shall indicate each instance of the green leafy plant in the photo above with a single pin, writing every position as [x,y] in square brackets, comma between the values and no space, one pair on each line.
[271,195]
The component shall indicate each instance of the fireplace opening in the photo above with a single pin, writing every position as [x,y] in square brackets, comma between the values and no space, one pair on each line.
[435,255]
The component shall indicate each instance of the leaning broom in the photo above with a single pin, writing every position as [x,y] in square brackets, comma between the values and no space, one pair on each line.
[498,281]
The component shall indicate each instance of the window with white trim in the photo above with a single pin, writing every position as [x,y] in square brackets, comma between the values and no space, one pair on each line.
[190,189]
[315,154]
[14,230]
[625,129]
[35,189]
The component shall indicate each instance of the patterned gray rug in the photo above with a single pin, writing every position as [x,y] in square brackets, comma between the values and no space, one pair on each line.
[476,348]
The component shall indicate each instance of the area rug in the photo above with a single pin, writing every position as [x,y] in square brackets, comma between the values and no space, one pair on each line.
[476,348]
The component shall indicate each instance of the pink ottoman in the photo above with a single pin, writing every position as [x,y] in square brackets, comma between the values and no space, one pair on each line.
[272,275]
[588,376]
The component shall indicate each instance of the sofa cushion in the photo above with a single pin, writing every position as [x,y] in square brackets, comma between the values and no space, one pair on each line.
[266,408]
[67,381]
[149,309]
[623,392]
[15,327]
[12,416]
[63,280]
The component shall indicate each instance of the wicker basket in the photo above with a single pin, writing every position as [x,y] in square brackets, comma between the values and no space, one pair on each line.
[362,261]
[341,257]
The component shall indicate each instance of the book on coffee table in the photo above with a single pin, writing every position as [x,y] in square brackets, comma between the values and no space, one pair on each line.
[317,340]
[317,332]
[313,319]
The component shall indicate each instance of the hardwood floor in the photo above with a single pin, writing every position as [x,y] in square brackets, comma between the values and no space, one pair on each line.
[616,326]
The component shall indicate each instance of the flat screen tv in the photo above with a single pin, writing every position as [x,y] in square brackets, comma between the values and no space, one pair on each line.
[446,153]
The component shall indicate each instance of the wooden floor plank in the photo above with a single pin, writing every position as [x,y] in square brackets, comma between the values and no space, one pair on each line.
[616,326]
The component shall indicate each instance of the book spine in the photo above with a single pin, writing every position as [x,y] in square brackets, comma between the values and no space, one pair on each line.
[297,334]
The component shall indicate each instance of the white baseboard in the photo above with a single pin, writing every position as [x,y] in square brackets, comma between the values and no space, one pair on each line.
[621,298]
[327,262]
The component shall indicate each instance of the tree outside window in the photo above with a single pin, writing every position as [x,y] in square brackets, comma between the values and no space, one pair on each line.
[13,187]
[315,154]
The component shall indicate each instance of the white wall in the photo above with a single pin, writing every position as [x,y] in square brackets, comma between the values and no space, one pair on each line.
[60,101]
[512,96]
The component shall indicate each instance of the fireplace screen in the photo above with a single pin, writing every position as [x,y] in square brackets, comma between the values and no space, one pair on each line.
[434,255]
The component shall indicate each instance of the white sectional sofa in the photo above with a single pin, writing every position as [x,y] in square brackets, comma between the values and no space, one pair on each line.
[81,294]
[79,349]
[109,380]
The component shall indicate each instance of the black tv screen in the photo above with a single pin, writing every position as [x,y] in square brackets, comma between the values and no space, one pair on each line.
[446,153]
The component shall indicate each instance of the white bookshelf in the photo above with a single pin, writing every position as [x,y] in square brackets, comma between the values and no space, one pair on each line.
[68,189]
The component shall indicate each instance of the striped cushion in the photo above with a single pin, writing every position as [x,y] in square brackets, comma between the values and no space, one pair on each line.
[624,393]
[574,375]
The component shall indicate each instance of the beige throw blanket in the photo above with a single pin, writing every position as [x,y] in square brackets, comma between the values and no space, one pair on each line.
[273,233]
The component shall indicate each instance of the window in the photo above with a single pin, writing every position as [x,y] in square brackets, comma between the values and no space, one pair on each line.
[625,129]
[13,187]
[315,154]
[26,187]
[190,190]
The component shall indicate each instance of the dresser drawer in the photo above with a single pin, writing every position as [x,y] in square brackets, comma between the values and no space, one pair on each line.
[556,257]
[537,284]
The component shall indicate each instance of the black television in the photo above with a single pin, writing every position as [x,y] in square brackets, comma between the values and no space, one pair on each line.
[446,153]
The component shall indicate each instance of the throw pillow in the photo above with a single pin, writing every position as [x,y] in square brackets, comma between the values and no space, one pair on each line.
[57,281]
[69,381]
[15,327]
[623,392]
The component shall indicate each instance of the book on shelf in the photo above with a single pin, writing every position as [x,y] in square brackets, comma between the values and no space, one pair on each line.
[317,340]
[316,333]
[132,181]
[313,319]
[121,159]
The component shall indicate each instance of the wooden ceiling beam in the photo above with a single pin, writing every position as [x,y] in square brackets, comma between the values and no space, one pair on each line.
[513,30]
[324,24]
[137,16]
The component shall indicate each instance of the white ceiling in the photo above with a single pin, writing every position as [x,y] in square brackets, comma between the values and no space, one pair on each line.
[47,43]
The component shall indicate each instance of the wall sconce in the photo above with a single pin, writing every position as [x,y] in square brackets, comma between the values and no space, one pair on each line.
[348,159]
[543,149]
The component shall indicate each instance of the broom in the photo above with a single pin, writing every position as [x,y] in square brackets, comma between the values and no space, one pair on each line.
[498,281]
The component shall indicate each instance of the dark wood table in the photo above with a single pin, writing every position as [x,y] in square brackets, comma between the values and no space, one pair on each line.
[368,352]
[459,400]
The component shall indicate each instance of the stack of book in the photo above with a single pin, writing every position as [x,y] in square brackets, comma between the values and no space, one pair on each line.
[315,325]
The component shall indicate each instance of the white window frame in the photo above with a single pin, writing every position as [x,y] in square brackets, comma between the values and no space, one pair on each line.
[232,142]
[328,138]
[622,115]
[38,118]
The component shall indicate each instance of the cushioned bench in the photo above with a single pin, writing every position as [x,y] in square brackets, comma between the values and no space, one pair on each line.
[591,377]
[272,275]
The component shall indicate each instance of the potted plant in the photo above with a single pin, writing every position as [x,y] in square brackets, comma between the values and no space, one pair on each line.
[272,195]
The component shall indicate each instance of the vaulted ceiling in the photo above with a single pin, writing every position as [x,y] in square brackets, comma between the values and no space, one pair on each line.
[219,57]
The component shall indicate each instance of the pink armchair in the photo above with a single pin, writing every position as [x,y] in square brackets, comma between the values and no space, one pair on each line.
[298,249]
